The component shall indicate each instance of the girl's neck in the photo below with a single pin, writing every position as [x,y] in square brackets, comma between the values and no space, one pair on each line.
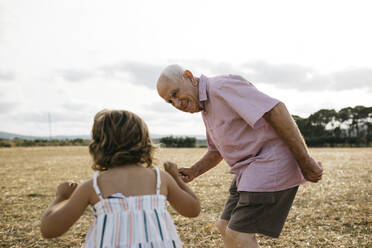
[127,166]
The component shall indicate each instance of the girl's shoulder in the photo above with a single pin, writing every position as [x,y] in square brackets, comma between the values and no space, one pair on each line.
[165,176]
[86,188]
[87,184]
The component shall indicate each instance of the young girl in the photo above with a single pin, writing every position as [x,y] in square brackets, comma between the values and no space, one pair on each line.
[128,196]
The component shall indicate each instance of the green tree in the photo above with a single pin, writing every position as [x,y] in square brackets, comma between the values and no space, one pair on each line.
[171,141]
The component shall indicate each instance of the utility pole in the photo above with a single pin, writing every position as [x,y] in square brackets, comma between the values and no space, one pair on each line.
[50,125]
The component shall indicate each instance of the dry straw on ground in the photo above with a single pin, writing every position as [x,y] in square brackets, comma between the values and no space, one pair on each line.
[333,213]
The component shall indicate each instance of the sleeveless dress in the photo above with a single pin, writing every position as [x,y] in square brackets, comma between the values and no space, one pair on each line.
[141,221]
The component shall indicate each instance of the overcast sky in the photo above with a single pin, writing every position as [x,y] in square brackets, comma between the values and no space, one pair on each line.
[72,58]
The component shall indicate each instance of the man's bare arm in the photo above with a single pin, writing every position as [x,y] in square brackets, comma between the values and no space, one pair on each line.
[207,162]
[284,125]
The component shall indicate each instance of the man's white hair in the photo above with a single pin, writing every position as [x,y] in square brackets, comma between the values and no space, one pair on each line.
[173,72]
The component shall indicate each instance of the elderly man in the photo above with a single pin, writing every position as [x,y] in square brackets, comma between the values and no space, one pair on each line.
[257,137]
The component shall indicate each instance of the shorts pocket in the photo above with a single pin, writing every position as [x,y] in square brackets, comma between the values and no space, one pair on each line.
[257,198]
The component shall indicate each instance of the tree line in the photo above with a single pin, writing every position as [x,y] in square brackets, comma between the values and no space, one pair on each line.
[347,127]
[351,126]
[171,141]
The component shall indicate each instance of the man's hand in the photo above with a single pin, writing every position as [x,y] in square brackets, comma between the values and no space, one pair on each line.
[286,128]
[312,170]
[65,190]
[187,174]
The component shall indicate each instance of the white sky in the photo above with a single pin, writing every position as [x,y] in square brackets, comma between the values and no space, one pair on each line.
[72,58]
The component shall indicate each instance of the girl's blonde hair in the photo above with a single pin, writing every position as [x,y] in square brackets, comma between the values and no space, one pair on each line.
[119,137]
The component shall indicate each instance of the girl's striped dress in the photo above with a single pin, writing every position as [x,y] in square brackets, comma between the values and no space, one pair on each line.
[136,221]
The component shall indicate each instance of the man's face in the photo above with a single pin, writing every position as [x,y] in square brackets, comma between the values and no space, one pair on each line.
[182,94]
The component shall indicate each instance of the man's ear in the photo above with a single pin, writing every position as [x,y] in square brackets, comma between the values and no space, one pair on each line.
[188,74]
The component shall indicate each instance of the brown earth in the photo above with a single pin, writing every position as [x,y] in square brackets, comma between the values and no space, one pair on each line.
[337,212]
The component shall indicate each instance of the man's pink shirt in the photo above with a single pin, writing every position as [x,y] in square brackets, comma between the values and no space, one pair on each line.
[233,117]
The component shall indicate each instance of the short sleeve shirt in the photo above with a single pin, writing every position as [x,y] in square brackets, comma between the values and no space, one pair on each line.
[233,112]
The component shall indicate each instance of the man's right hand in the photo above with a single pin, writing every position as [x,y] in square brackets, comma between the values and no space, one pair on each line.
[312,170]
[187,174]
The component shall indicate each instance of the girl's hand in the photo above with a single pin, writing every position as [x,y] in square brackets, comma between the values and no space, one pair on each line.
[65,190]
[171,168]
[188,174]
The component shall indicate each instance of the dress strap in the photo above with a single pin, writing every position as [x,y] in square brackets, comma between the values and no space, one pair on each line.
[158,180]
[95,186]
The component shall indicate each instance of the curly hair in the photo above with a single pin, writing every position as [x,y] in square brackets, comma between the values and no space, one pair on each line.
[119,137]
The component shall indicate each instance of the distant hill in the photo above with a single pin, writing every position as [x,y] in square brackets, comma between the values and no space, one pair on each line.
[5,135]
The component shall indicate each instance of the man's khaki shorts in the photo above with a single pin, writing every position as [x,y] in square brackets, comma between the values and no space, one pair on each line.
[258,212]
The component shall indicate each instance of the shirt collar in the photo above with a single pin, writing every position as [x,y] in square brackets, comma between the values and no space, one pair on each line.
[203,88]
[203,97]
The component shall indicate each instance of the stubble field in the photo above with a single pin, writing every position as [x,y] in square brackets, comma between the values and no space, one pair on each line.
[336,212]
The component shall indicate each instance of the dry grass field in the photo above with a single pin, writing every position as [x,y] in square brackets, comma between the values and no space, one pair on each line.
[334,213]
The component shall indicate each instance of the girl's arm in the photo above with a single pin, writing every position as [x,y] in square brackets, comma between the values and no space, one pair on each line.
[66,209]
[207,162]
[180,196]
